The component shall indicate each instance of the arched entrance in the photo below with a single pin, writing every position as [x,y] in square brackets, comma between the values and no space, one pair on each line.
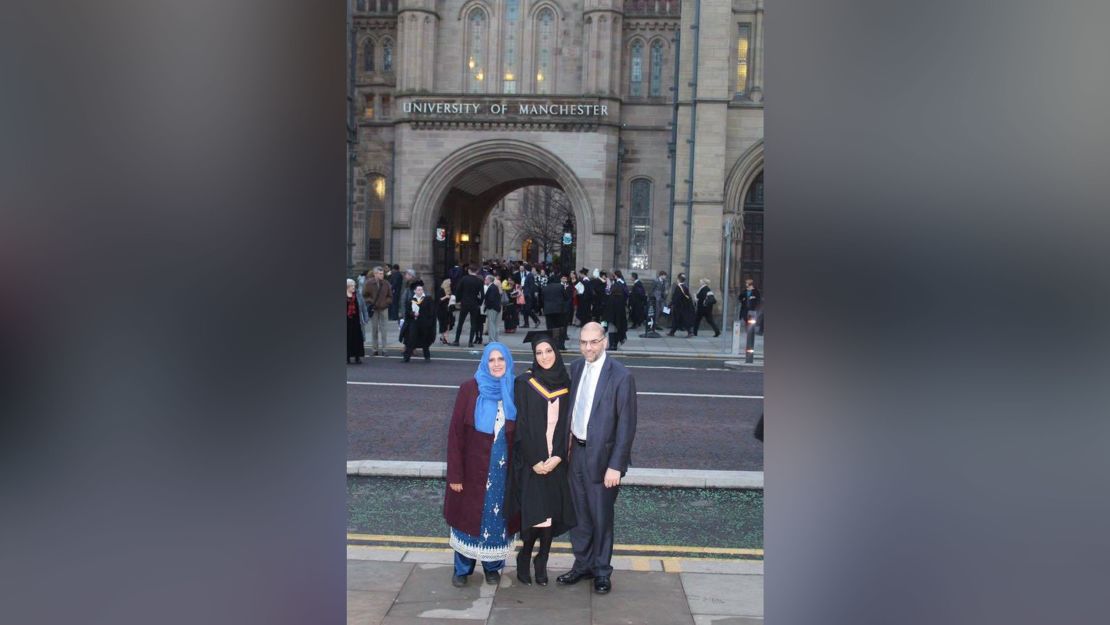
[744,206]
[460,191]
[751,243]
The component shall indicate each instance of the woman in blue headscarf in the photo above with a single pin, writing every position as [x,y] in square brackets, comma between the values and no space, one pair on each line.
[478,461]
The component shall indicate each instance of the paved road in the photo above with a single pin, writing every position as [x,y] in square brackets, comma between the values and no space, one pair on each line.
[730,519]
[693,427]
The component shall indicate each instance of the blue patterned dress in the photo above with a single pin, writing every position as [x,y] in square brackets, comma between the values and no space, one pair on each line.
[493,542]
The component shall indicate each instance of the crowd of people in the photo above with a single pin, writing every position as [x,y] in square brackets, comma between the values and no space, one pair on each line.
[536,454]
[499,297]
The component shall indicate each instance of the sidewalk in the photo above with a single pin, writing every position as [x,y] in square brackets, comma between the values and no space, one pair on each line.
[413,587]
[704,345]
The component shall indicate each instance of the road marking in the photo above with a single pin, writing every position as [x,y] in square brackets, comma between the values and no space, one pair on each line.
[389,538]
[408,384]
[700,395]
[639,563]
[620,354]
[525,365]
[403,384]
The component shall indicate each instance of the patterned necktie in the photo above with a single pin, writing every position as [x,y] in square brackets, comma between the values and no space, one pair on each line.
[583,401]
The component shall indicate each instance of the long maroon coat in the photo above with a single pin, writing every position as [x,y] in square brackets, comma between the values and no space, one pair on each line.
[468,452]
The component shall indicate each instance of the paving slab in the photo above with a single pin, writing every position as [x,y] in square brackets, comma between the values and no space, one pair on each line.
[539,616]
[368,608]
[654,583]
[729,595]
[360,552]
[708,619]
[377,576]
[416,620]
[431,557]
[643,606]
[428,593]
[724,567]
[514,595]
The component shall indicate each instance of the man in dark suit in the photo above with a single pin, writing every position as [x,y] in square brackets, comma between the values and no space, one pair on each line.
[603,424]
[527,281]
[555,295]
[469,300]
[491,306]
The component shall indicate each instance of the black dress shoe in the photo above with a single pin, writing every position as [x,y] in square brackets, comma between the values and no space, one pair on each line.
[572,577]
[493,577]
[458,581]
[602,585]
[454,343]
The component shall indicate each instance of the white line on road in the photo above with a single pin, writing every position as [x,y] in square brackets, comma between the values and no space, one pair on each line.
[526,364]
[638,392]
[402,384]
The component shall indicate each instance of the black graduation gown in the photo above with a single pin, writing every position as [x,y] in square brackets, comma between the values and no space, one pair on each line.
[638,304]
[420,331]
[585,301]
[614,314]
[537,497]
[682,309]
[598,308]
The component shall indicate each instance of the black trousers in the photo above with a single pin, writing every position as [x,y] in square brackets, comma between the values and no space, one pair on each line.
[707,314]
[558,329]
[592,538]
[475,323]
[529,312]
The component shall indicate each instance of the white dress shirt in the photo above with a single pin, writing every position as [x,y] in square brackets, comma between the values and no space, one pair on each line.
[584,400]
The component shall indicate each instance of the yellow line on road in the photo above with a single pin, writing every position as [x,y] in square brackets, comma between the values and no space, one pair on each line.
[566,545]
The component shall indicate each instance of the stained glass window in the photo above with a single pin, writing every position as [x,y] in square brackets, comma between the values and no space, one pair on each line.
[474,57]
[509,63]
[657,68]
[640,220]
[546,21]
[636,78]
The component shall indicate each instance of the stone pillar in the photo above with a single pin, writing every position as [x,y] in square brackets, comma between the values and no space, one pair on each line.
[602,29]
[417,23]
[757,57]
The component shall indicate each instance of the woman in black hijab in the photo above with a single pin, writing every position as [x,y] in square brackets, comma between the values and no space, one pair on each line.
[540,489]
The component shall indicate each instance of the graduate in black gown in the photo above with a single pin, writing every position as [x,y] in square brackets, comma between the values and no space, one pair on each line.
[540,490]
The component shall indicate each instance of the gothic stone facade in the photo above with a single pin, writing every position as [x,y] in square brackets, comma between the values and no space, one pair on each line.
[460,103]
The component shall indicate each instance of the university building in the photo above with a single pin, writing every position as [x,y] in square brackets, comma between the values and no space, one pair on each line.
[645,115]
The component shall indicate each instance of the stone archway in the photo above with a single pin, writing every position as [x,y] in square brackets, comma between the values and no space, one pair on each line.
[747,169]
[490,169]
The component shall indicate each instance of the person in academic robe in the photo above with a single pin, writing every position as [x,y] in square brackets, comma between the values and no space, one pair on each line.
[419,330]
[682,307]
[540,489]
[637,302]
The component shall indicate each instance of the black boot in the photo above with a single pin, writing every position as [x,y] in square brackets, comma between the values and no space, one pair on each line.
[528,538]
[541,557]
